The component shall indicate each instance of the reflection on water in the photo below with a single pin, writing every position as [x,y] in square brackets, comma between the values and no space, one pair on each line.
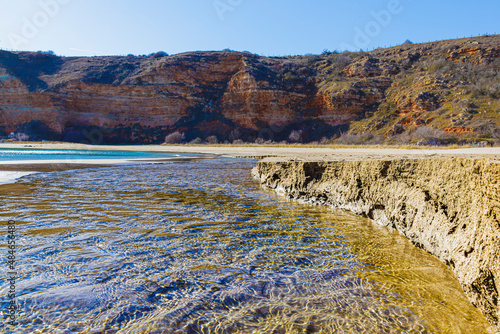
[200,248]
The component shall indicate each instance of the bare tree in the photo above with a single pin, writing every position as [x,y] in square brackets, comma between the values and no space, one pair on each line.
[234,135]
[196,141]
[212,140]
[175,138]
[295,136]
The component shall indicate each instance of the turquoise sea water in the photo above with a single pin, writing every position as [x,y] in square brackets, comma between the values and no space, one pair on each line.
[45,154]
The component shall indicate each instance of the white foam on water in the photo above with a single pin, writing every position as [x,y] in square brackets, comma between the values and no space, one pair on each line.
[11,177]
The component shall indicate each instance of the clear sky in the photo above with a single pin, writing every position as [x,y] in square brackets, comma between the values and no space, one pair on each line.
[266,27]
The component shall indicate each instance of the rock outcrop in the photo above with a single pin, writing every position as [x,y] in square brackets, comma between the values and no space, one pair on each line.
[387,93]
[449,207]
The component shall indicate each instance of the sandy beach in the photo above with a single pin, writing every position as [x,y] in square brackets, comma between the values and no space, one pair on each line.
[269,152]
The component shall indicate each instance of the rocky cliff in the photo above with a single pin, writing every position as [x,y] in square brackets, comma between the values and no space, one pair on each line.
[449,207]
[446,90]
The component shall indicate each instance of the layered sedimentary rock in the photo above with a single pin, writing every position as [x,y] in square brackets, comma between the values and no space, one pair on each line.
[449,207]
[451,86]
[142,99]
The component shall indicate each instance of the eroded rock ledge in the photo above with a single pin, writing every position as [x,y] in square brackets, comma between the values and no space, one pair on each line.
[449,207]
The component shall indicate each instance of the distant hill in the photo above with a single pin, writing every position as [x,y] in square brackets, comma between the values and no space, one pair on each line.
[433,93]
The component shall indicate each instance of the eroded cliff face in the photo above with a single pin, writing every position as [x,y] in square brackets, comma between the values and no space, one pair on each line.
[449,207]
[452,86]
[142,99]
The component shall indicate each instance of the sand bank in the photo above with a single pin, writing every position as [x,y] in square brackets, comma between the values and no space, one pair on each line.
[287,153]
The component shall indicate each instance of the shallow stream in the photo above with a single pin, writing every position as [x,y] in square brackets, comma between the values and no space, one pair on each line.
[199,247]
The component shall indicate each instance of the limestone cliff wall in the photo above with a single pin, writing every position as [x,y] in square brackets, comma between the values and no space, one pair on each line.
[449,207]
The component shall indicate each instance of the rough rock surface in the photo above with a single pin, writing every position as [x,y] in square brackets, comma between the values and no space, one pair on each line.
[386,93]
[449,207]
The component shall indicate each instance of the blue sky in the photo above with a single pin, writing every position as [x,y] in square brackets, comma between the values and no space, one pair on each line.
[266,27]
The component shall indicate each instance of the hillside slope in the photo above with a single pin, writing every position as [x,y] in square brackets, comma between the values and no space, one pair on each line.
[432,93]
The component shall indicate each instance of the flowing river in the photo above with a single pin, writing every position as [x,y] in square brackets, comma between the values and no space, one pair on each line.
[199,247]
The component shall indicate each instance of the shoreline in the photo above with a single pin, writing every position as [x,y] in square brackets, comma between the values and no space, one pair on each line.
[95,162]
[263,153]
[8,169]
[272,153]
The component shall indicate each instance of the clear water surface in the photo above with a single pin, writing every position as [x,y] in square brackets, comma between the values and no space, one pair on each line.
[48,154]
[199,247]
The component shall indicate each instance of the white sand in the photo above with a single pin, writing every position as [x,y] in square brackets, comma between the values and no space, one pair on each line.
[299,153]
[11,177]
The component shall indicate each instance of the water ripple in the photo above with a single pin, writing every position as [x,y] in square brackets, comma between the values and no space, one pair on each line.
[200,248]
